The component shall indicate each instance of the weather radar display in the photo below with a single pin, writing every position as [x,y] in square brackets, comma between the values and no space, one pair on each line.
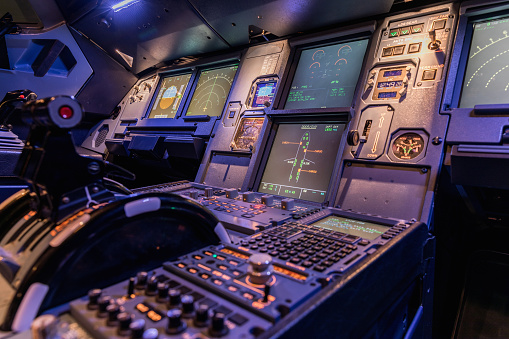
[299,164]
[326,76]
[212,91]
[487,72]
[169,96]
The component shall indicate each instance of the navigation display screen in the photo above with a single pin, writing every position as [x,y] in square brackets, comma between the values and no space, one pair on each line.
[363,229]
[212,91]
[301,160]
[169,97]
[265,91]
[326,76]
[487,71]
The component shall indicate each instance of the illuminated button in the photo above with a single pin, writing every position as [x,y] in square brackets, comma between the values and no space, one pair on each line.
[204,276]
[218,282]
[439,24]
[414,48]
[404,31]
[192,270]
[232,288]
[65,112]
[429,74]
[398,50]
[394,32]
[387,52]
[417,29]
[197,257]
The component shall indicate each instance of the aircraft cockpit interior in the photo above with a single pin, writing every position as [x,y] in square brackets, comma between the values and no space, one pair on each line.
[262,169]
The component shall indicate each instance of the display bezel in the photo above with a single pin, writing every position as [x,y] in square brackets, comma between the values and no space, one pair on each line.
[337,215]
[293,62]
[269,143]
[198,74]
[466,45]
[162,77]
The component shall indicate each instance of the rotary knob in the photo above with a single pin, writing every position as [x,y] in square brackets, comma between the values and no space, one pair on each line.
[260,268]
[217,327]
[248,197]
[209,192]
[141,280]
[124,321]
[352,138]
[267,200]
[93,297]
[202,316]
[113,311]
[187,306]
[287,204]
[102,304]
[151,333]
[175,324]
[162,292]
[174,298]
[232,193]
[137,328]
[151,288]
[193,194]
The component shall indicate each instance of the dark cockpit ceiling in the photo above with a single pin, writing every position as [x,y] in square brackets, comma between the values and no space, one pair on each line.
[142,34]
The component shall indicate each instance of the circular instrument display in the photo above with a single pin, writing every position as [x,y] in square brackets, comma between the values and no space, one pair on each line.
[408,146]
[211,91]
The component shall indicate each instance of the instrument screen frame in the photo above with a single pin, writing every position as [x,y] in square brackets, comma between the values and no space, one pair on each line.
[356,34]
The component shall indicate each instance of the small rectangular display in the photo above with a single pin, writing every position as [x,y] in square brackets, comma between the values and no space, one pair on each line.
[390,84]
[169,96]
[393,73]
[264,93]
[301,160]
[386,95]
[212,91]
[485,80]
[363,229]
[326,76]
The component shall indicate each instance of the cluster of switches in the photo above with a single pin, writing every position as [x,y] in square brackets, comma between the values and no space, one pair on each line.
[180,310]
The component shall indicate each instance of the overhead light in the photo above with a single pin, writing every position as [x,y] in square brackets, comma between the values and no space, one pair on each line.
[123,4]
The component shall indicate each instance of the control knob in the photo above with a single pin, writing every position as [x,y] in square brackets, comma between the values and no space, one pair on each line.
[151,288]
[93,297]
[267,200]
[202,316]
[141,280]
[151,333]
[217,327]
[175,324]
[124,321]
[232,193]
[287,204]
[352,138]
[209,192]
[187,306]
[248,197]
[260,268]
[113,311]
[162,292]
[193,194]
[137,328]
[174,298]
[103,303]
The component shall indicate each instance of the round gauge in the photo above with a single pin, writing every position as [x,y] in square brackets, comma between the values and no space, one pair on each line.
[408,146]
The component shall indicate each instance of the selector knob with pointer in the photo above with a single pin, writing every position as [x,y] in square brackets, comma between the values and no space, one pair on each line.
[260,268]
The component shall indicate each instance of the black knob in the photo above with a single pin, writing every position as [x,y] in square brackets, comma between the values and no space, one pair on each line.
[174,298]
[217,327]
[103,303]
[151,333]
[162,292]
[137,328]
[124,321]
[141,280]
[187,306]
[175,324]
[113,310]
[352,138]
[151,288]
[93,297]
[202,316]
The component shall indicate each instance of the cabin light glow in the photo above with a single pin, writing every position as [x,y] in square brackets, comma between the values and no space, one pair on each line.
[123,4]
